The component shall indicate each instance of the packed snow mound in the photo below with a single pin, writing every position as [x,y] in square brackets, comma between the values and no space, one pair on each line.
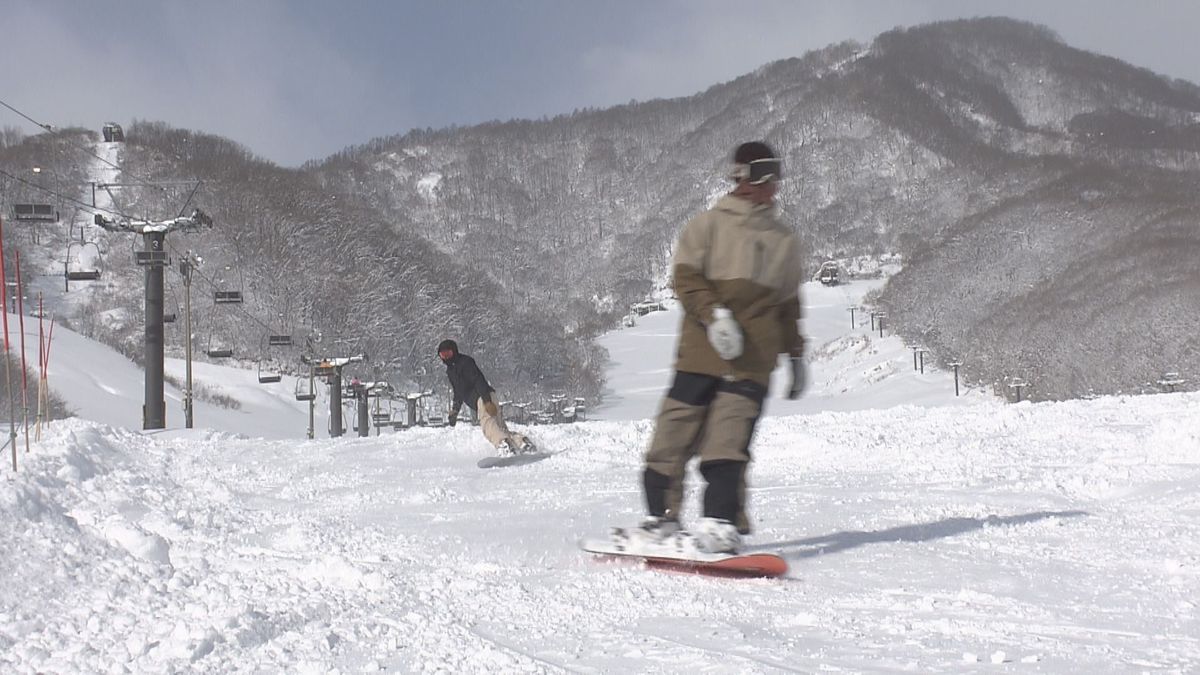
[921,539]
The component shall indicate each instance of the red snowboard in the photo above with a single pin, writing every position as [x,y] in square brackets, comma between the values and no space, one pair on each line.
[711,564]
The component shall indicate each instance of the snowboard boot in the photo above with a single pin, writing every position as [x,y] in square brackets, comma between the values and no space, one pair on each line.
[651,532]
[505,449]
[714,535]
[527,447]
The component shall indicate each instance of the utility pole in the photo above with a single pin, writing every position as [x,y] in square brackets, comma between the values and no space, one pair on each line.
[185,268]
[312,403]
[154,258]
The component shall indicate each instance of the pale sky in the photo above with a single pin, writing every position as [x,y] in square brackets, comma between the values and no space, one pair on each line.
[295,80]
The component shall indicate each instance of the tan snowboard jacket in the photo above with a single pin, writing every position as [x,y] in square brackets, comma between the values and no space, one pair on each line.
[738,255]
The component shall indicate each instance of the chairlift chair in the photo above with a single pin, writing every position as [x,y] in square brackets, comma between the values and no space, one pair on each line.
[37,213]
[227,292]
[268,377]
[271,376]
[215,352]
[82,275]
[79,273]
[303,392]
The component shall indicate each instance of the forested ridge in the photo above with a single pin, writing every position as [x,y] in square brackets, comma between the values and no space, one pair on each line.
[1038,194]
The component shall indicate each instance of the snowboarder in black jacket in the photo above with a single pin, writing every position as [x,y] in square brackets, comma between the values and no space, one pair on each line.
[472,388]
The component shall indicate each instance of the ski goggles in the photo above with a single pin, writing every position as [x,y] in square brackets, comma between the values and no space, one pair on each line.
[759,171]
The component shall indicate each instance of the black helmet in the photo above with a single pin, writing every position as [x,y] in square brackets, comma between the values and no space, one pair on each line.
[756,163]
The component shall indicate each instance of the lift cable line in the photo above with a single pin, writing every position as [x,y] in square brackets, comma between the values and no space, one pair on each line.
[51,128]
[161,185]
[127,222]
[55,193]
[97,211]
[153,257]
[216,288]
[47,127]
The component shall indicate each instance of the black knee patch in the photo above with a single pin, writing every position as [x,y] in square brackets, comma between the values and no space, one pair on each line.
[655,486]
[694,388]
[722,498]
[747,388]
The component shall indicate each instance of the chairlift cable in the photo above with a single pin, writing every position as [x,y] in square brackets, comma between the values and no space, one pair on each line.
[50,128]
[189,199]
[92,153]
[46,127]
[213,285]
[89,207]
[54,193]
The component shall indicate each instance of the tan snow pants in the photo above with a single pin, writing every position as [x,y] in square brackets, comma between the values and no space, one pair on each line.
[707,417]
[494,427]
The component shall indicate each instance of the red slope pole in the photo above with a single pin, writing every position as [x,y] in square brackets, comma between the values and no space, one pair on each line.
[41,365]
[12,433]
[24,366]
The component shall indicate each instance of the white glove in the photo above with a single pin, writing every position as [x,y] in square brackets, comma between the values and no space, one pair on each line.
[725,335]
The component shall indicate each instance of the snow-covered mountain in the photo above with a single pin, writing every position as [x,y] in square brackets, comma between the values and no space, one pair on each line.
[1041,197]
[1050,537]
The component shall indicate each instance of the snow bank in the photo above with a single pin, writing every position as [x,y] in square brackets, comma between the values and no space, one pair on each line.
[1062,537]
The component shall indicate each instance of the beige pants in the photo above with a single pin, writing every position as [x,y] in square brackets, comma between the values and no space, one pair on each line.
[712,424]
[494,427]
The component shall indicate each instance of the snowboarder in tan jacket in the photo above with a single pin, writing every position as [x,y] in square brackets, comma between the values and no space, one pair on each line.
[736,272]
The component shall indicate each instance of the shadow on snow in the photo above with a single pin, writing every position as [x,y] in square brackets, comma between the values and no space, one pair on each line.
[950,527]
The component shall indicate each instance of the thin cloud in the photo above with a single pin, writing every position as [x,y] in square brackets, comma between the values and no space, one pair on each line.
[300,80]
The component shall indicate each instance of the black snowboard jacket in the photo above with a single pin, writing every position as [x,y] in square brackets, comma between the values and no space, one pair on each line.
[468,383]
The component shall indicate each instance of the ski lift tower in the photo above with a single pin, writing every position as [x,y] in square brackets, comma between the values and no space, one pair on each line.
[154,258]
[330,368]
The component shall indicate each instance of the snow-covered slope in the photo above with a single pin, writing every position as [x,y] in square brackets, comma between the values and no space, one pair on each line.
[850,367]
[1057,538]
[101,385]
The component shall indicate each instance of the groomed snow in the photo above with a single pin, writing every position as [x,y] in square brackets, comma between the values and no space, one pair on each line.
[1047,538]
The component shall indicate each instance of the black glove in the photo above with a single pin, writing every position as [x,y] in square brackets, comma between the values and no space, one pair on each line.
[452,419]
[799,378]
